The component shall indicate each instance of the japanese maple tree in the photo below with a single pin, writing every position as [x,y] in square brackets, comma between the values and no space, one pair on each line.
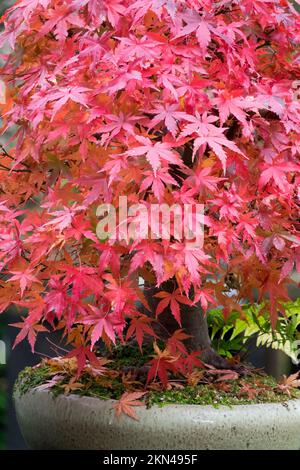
[161,101]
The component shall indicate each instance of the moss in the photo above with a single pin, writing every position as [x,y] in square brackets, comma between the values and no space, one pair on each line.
[209,394]
[129,356]
[32,377]
[202,394]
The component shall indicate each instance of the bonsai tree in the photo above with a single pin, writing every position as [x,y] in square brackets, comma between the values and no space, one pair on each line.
[160,102]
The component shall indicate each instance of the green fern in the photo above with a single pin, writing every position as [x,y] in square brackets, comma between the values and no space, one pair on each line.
[230,336]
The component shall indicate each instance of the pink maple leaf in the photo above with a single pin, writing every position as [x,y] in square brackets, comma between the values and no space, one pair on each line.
[157,182]
[169,114]
[154,152]
[25,278]
[211,135]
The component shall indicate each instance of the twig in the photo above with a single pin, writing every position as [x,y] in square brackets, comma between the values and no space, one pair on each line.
[56,346]
[9,156]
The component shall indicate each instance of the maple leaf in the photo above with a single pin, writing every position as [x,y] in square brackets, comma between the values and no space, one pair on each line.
[156,182]
[127,403]
[134,47]
[83,277]
[124,78]
[79,229]
[288,383]
[141,7]
[115,124]
[209,134]
[50,383]
[196,23]
[83,355]
[7,296]
[287,268]
[25,278]
[119,293]
[247,390]
[204,296]
[223,374]
[269,97]
[63,95]
[192,360]
[147,250]
[175,342]
[71,386]
[139,326]
[63,218]
[194,378]
[161,364]
[194,260]
[97,370]
[29,329]
[100,10]
[154,152]
[232,103]
[276,292]
[277,172]
[102,324]
[172,299]
[169,114]
[60,20]
[115,9]
[202,178]
[109,256]
[56,299]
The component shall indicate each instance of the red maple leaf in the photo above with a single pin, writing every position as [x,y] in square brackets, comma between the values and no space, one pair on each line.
[139,326]
[209,134]
[83,355]
[161,364]
[102,324]
[277,172]
[172,299]
[29,329]
[157,182]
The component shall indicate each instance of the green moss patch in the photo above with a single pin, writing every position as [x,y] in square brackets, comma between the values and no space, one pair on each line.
[254,388]
[204,394]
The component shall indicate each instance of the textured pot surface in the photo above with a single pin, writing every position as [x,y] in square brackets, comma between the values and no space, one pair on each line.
[73,422]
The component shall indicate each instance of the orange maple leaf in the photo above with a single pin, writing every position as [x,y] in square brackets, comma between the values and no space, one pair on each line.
[127,402]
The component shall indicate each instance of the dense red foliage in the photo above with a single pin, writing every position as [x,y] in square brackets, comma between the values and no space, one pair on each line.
[161,101]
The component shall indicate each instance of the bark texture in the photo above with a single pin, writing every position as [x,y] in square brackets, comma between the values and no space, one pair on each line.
[194,323]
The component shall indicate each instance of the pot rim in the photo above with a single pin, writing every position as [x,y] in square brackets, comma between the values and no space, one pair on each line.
[72,396]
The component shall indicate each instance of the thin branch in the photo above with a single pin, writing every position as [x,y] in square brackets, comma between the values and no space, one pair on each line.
[15,171]
[9,156]
[56,345]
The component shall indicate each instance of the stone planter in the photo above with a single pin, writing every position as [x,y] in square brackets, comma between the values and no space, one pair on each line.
[73,422]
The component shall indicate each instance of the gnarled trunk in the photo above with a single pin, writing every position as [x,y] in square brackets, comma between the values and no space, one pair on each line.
[194,323]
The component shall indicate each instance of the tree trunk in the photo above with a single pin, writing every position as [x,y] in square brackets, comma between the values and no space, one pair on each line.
[194,323]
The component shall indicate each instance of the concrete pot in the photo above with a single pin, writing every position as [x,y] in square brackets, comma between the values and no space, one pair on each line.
[73,422]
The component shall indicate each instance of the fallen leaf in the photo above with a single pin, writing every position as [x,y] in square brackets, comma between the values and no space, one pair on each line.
[288,383]
[127,402]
